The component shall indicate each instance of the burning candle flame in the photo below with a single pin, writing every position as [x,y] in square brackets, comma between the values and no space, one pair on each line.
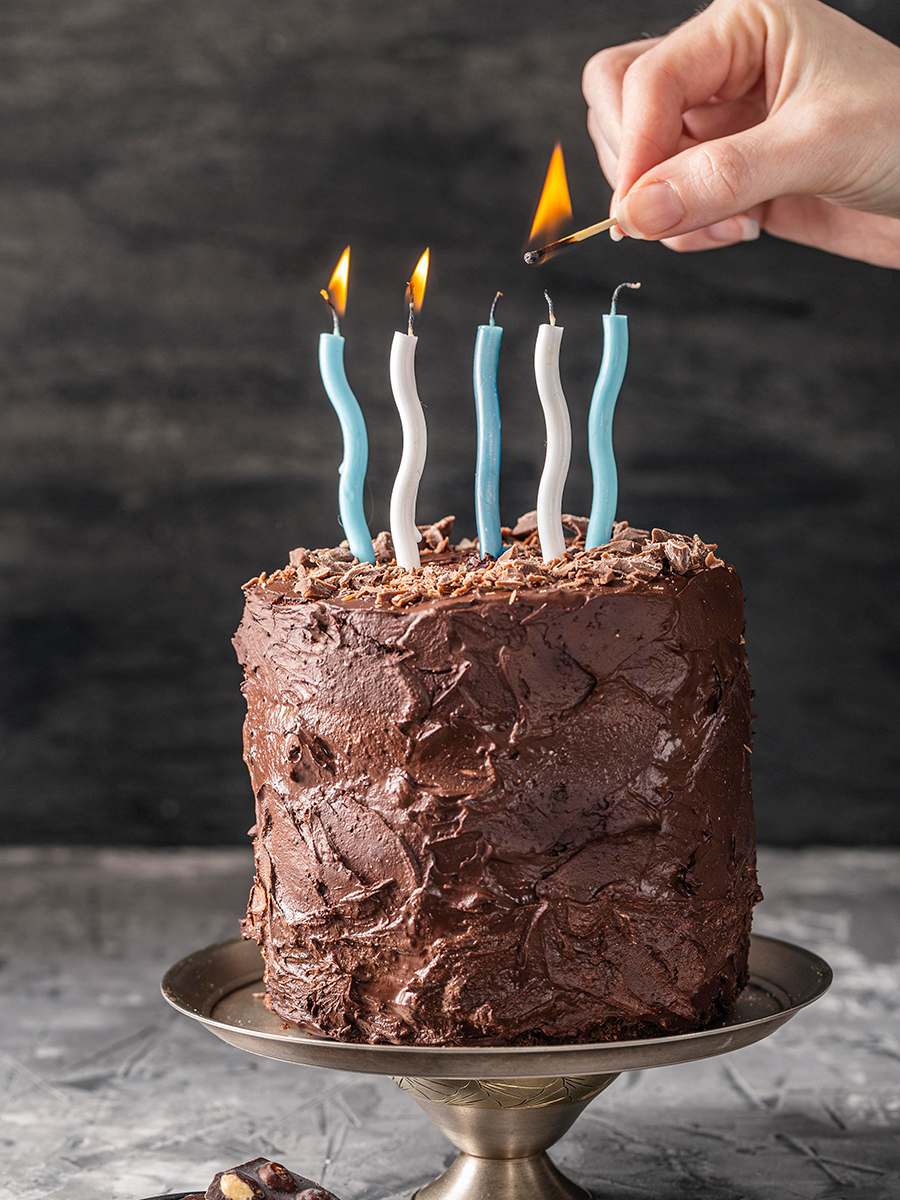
[415,289]
[554,210]
[336,292]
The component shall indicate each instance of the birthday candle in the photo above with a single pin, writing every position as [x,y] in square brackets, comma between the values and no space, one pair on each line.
[600,417]
[353,425]
[559,438]
[487,463]
[404,532]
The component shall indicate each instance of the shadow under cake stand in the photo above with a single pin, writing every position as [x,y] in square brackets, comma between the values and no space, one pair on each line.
[502,1107]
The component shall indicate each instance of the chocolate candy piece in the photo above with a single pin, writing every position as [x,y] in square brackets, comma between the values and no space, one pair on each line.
[262,1179]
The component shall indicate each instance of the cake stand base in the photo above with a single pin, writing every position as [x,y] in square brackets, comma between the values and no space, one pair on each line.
[501,1106]
[503,1127]
[472,1178]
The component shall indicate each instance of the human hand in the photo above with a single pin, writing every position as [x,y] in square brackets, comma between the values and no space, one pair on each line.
[775,114]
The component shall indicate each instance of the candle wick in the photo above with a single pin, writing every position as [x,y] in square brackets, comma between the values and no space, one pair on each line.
[334,316]
[612,307]
[550,307]
[411,297]
[494,306]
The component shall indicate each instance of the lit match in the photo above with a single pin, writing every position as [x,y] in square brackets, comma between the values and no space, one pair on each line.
[533,257]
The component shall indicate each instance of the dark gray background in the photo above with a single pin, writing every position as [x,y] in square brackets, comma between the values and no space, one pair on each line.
[177,180]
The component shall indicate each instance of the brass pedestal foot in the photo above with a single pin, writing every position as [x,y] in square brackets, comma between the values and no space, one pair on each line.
[503,1128]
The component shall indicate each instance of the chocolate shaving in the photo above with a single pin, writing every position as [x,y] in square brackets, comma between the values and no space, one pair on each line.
[437,536]
[526,524]
[516,550]
[631,558]
[620,548]
[579,524]
[678,554]
[628,533]
[383,546]
[315,589]
[641,564]
[338,555]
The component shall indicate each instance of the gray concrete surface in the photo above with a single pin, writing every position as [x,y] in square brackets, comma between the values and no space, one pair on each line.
[107,1094]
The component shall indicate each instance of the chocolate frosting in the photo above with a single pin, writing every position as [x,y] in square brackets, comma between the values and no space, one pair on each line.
[510,814]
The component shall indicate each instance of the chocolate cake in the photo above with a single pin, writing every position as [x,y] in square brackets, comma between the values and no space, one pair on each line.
[501,800]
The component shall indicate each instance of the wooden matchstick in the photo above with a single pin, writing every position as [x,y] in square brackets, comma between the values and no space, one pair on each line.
[533,257]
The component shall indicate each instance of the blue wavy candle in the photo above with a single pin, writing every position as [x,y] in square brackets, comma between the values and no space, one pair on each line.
[353,425]
[487,409]
[600,419]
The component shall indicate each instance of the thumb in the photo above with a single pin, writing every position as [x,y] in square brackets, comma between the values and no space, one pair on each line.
[715,180]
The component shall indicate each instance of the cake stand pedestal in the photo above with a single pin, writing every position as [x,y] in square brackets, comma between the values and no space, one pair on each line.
[501,1106]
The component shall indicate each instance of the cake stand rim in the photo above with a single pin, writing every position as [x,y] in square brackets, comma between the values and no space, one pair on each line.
[438,1060]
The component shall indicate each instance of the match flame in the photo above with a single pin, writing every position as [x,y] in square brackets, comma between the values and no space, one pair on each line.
[336,293]
[415,289]
[554,210]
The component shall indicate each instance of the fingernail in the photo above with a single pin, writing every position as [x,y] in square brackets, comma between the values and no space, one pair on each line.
[614,231]
[735,229]
[651,211]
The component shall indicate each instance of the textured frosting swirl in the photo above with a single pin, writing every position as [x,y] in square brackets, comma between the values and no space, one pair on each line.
[520,814]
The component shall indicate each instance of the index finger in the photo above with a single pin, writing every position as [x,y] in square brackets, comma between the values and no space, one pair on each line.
[601,85]
[720,52]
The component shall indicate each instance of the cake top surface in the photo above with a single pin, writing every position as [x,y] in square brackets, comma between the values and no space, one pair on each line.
[632,558]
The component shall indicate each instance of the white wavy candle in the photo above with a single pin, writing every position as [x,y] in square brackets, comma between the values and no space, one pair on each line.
[412,461]
[559,442]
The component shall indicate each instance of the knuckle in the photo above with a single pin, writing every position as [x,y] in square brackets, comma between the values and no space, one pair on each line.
[598,67]
[645,66]
[652,76]
[610,67]
[637,71]
[724,170]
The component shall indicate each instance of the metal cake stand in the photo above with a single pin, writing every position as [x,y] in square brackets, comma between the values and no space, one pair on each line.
[502,1107]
